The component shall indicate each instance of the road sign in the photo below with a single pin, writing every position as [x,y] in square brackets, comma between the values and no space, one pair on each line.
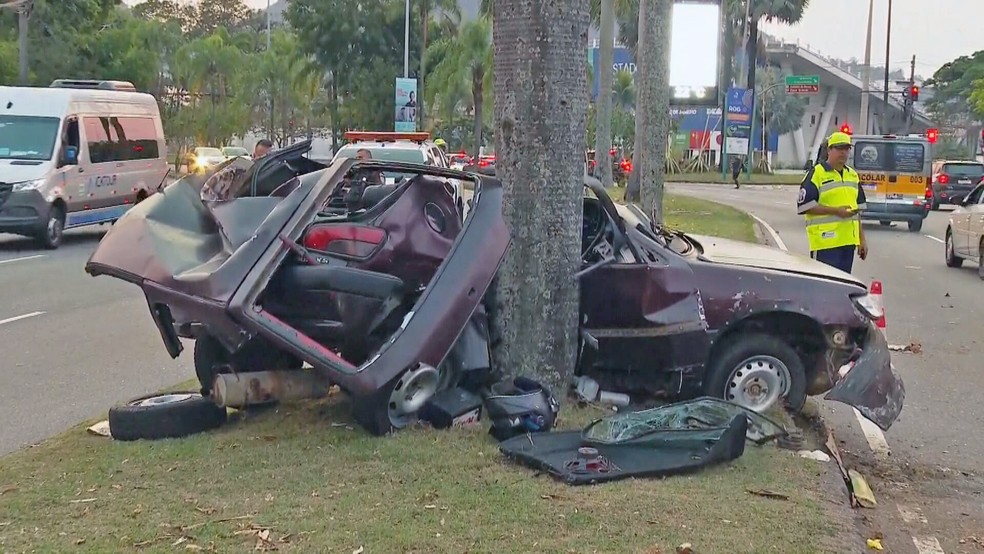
[802,84]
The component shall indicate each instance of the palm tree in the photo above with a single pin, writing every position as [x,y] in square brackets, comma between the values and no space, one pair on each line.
[450,15]
[466,63]
[652,107]
[783,11]
[623,91]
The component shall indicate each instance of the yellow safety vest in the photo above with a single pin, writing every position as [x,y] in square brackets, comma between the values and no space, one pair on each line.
[830,231]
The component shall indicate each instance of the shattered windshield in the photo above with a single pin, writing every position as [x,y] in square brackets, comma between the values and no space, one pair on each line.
[227,180]
[701,413]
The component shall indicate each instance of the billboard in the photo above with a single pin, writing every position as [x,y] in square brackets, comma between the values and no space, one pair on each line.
[738,120]
[702,125]
[405,117]
[695,35]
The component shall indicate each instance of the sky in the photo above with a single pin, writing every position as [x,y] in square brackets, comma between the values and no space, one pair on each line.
[837,28]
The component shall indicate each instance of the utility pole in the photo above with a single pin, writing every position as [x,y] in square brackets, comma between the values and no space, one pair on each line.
[910,103]
[866,85]
[406,41]
[888,59]
[268,24]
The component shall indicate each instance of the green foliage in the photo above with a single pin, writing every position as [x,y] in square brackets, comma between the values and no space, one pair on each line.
[783,112]
[958,90]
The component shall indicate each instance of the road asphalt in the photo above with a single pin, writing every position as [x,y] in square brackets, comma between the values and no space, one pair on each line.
[934,450]
[72,345]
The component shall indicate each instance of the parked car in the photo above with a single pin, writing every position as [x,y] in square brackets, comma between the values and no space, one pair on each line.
[385,296]
[203,158]
[953,180]
[965,231]
[234,151]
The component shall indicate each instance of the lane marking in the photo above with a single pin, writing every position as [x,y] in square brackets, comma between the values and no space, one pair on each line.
[941,241]
[20,317]
[911,514]
[872,434]
[21,259]
[771,231]
[927,545]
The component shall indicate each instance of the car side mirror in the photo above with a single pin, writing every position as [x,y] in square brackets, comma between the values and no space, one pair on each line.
[71,156]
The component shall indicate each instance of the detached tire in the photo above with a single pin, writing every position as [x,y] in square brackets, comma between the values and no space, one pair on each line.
[749,367]
[161,416]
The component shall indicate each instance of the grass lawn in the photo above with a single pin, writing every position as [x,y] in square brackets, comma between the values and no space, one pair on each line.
[702,217]
[757,178]
[305,478]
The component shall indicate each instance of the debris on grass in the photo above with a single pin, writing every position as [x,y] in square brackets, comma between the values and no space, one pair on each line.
[7,488]
[818,455]
[768,494]
[100,429]
[864,494]
[875,544]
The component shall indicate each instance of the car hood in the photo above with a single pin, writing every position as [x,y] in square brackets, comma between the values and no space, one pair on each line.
[732,252]
[16,171]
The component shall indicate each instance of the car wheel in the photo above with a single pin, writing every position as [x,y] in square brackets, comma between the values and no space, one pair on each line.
[396,405]
[51,236]
[915,226]
[980,259]
[757,371]
[952,260]
[935,203]
[211,359]
[161,416]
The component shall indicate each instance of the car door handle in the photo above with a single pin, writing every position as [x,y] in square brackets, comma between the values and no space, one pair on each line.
[81,169]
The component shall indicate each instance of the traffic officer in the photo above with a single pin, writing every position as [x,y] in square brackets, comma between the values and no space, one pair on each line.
[831,199]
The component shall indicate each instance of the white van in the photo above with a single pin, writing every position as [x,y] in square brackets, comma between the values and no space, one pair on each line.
[76,153]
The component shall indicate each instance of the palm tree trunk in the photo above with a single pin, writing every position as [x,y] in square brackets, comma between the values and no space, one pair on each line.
[478,101]
[632,190]
[653,106]
[603,105]
[752,56]
[540,95]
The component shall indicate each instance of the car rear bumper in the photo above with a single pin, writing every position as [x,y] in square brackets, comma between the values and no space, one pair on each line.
[888,211]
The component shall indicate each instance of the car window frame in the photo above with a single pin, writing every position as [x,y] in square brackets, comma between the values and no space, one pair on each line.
[979,191]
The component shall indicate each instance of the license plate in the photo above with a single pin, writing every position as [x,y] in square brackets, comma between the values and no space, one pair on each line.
[895,196]
[964,181]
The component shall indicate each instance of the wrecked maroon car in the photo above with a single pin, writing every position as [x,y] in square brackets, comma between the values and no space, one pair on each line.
[378,287]
[381,289]
[667,313]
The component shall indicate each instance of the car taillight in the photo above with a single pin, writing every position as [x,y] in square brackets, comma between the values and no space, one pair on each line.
[483,163]
[357,241]
[929,193]
[944,179]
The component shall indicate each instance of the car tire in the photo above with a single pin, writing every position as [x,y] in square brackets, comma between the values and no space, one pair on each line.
[935,206]
[915,226]
[952,260]
[51,236]
[749,359]
[161,416]
[980,260]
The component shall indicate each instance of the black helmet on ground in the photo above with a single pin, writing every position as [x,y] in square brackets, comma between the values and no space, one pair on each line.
[520,406]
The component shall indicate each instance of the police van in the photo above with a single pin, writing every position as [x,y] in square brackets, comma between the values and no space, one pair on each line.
[895,172]
[76,153]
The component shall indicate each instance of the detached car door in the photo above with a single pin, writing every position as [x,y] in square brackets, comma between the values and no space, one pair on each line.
[642,316]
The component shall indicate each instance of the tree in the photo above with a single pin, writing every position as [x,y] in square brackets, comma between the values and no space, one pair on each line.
[776,111]
[466,63]
[450,14]
[954,103]
[346,37]
[209,15]
[784,11]
[540,98]
[652,107]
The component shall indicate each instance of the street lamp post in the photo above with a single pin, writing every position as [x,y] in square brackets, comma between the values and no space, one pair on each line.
[888,53]
[865,94]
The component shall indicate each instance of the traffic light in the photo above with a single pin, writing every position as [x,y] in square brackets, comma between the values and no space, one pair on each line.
[914,93]
[932,135]
[846,129]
